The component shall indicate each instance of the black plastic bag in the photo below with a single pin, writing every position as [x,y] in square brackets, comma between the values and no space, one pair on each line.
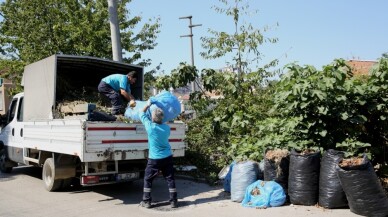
[100,116]
[363,189]
[303,178]
[331,194]
[277,173]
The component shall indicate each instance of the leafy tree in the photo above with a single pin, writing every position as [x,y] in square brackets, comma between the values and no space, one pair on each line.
[226,126]
[8,69]
[179,77]
[245,41]
[334,109]
[245,92]
[375,109]
[34,29]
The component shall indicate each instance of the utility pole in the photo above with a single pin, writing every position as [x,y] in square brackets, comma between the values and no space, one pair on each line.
[193,87]
[115,31]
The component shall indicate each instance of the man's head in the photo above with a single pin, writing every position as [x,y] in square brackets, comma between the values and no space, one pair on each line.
[132,77]
[157,115]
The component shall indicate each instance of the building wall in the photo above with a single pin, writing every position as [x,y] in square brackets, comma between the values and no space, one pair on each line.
[361,67]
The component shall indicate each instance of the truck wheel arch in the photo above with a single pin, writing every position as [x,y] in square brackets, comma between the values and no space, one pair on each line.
[57,170]
[43,156]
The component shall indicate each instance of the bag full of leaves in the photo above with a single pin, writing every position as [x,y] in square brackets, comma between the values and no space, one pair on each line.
[244,173]
[331,194]
[165,100]
[263,194]
[303,178]
[276,165]
[362,187]
[228,177]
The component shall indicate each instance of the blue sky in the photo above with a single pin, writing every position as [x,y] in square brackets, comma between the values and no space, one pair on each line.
[309,32]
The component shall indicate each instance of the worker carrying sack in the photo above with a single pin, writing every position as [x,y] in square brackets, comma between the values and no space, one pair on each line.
[165,100]
[262,194]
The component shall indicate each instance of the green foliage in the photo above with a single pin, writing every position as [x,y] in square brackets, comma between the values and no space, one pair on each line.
[149,81]
[353,147]
[179,77]
[226,127]
[375,109]
[201,103]
[335,109]
[318,98]
[245,42]
[11,69]
[206,144]
[32,30]
[235,116]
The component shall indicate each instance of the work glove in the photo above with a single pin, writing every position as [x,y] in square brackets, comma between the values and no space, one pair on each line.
[132,103]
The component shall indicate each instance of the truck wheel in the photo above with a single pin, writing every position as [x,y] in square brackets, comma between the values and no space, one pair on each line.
[3,162]
[48,176]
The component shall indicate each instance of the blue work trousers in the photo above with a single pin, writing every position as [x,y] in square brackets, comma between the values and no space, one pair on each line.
[115,98]
[164,165]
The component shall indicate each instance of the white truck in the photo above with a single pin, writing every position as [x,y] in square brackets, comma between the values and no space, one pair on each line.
[79,146]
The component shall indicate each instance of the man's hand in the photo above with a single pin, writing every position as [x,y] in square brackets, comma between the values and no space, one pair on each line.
[146,107]
[132,103]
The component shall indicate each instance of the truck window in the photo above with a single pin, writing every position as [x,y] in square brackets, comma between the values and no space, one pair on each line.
[20,110]
[12,110]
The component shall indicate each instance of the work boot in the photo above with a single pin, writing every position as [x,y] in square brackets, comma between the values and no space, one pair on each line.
[174,204]
[145,204]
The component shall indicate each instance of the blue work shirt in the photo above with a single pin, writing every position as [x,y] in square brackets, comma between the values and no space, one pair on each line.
[158,134]
[117,82]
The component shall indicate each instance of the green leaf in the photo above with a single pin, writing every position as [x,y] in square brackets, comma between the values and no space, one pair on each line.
[344,116]
[359,119]
[304,105]
[322,110]
[321,95]
[380,106]
[341,98]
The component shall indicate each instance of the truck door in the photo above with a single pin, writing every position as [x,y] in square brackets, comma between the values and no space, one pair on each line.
[14,130]
[6,131]
[18,125]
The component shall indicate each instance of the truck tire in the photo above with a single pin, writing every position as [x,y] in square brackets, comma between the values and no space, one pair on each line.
[4,168]
[48,176]
[66,183]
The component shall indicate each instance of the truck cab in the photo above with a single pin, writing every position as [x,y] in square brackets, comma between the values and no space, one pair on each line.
[11,134]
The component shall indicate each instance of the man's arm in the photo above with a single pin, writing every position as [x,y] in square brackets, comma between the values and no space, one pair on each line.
[146,107]
[127,95]
[143,117]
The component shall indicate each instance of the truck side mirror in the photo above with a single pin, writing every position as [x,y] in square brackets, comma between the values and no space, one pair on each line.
[3,121]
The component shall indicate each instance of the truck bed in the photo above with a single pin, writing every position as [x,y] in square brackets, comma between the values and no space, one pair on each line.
[97,141]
